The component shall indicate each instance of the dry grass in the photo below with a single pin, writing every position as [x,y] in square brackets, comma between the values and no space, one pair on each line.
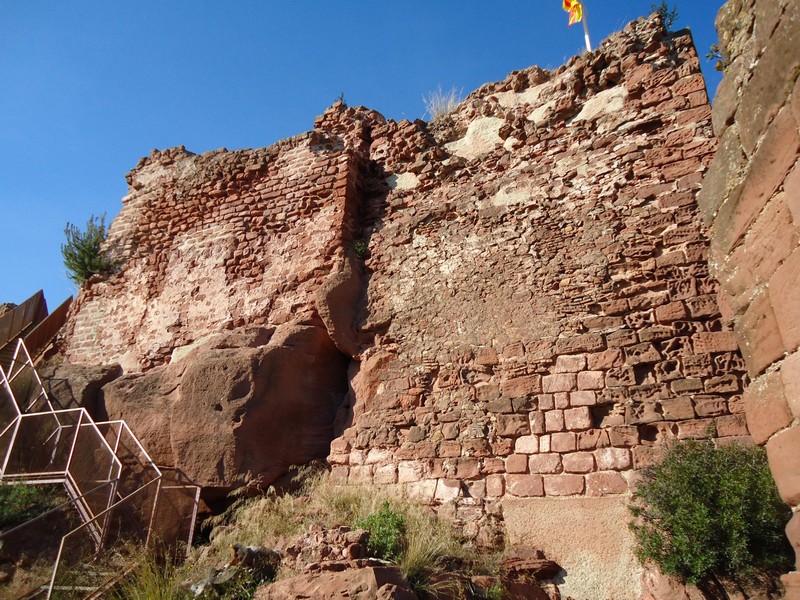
[430,545]
[430,542]
[439,103]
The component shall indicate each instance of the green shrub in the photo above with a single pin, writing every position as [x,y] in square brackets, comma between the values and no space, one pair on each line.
[707,512]
[83,251]
[361,249]
[19,503]
[387,531]
[668,15]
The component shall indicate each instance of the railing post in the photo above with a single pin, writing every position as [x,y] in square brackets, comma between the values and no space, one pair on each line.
[153,512]
[10,447]
[74,442]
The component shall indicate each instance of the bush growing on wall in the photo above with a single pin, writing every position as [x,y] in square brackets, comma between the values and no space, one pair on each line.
[707,512]
[83,251]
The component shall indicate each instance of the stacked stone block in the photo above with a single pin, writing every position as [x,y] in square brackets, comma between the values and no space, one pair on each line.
[541,316]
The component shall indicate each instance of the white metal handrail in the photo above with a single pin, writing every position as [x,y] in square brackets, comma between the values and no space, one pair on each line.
[73,431]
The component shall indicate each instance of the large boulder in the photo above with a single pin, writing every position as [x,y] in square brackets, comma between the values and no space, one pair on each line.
[241,408]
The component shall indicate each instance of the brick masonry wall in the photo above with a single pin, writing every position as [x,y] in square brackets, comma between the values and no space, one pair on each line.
[213,242]
[751,199]
[540,311]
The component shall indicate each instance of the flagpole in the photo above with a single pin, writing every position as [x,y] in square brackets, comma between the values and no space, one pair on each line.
[586,32]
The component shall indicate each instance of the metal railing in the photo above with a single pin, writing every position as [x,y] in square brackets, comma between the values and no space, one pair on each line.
[123,499]
[15,321]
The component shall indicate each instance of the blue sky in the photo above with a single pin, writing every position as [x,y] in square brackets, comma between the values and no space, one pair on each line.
[89,87]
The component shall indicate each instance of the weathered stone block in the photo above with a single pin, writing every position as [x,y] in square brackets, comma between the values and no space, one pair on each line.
[784,462]
[570,363]
[513,425]
[522,386]
[525,486]
[559,382]
[584,397]
[710,407]
[563,442]
[606,483]
[589,380]
[563,485]
[647,456]
[554,420]
[761,340]
[594,438]
[578,462]
[517,463]
[715,341]
[527,444]
[767,171]
[766,407]
[612,459]
[786,305]
[766,90]
[495,486]
[790,375]
[545,463]
[771,239]
[732,426]
[588,342]
[623,436]
[677,409]
[576,419]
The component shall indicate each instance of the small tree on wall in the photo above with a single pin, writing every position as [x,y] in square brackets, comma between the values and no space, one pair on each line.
[83,251]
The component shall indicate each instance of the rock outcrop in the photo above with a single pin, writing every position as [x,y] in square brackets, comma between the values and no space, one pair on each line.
[239,409]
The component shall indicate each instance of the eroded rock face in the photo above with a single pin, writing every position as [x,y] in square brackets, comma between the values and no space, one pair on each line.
[78,385]
[228,415]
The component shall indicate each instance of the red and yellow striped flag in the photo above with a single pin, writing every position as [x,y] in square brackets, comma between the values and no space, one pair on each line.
[575,10]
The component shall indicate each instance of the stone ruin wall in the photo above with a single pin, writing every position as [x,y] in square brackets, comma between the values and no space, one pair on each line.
[538,289]
[203,242]
[522,287]
[751,200]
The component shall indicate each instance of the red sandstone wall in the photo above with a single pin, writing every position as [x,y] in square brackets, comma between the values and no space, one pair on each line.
[751,198]
[542,314]
[214,242]
[534,315]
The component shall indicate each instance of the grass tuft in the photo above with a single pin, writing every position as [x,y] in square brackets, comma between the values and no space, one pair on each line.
[439,103]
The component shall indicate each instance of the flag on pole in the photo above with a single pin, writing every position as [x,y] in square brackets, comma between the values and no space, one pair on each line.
[575,10]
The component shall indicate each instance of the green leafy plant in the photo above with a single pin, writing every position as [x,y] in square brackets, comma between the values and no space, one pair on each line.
[668,15]
[84,253]
[361,249]
[714,53]
[19,503]
[387,533]
[706,512]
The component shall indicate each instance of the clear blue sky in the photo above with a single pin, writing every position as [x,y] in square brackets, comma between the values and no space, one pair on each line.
[89,87]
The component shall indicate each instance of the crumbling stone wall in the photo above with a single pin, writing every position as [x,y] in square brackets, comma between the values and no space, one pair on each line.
[538,291]
[751,199]
[522,287]
[214,242]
